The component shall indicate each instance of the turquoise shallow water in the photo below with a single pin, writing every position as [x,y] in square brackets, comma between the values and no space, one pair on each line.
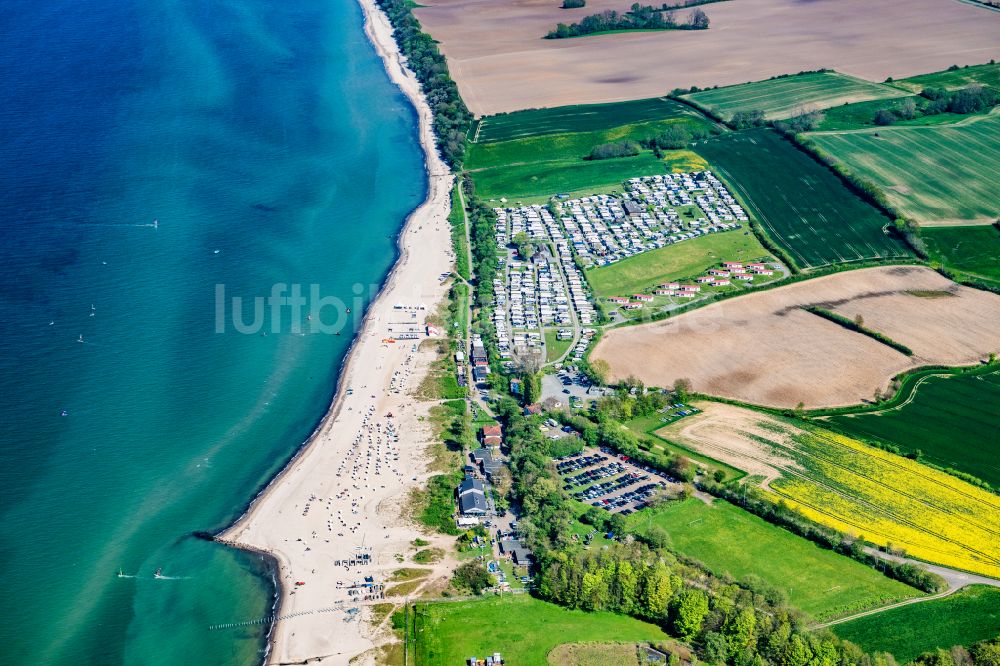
[271,147]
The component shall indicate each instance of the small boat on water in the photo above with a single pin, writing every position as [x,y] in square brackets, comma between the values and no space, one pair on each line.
[158,573]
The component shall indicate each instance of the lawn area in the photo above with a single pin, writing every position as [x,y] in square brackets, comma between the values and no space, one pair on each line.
[952,419]
[555,348]
[802,204]
[577,177]
[462,305]
[786,96]
[459,241]
[686,259]
[520,627]
[987,75]
[579,118]
[950,172]
[728,539]
[966,617]
[971,251]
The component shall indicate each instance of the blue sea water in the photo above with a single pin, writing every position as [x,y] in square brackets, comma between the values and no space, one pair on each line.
[267,141]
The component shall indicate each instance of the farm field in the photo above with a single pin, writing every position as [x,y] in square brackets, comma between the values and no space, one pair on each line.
[951,169]
[986,75]
[581,118]
[951,419]
[970,251]
[845,484]
[964,618]
[862,114]
[520,627]
[759,347]
[727,539]
[673,262]
[499,62]
[787,96]
[538,182]
[803,206]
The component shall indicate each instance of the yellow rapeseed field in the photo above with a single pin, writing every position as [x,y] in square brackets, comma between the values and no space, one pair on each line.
[888,499]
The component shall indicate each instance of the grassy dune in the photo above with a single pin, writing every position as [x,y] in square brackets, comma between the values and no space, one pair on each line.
[784,97]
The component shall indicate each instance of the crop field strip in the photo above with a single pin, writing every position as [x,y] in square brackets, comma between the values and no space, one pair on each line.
[987,75]
[990,527]
[579,118]
[958,519]
[951,170]
[803,205]
[782,98]
[970,250]
[947,417]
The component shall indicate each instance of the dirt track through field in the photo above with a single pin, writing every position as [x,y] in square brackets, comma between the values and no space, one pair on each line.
[497,55]
[765,349]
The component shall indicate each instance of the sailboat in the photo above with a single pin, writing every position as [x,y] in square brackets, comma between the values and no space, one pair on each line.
[121,574]
[158,573]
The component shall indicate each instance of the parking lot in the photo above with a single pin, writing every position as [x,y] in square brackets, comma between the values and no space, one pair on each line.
[606,480]
[567,384]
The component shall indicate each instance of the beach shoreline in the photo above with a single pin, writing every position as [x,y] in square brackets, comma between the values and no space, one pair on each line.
[414,281]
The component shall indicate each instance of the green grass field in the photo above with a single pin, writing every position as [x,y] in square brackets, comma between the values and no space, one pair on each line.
[937,173]
[803,205]
[555,348]
[728,539]
[579,118]
[987,75]
[971,251]
[539,181]
[520,627]
[862,114]
[952,419]
[966,617]
[459,242]
[785,97]
[686,259]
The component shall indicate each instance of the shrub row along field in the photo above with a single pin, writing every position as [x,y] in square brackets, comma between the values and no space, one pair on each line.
[964,618]
[801,203]
[972,252]
[852,487]
[674,262]
[953,420]
[953,79]
[729,540]
[578,118]
[787,96]
[948,172]
[523,629]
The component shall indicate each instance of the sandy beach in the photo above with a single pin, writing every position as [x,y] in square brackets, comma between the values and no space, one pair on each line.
[341,499]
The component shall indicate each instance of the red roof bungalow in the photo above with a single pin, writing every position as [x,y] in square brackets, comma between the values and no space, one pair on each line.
[670,285]
[732,264]
[690,287]
[533,409]
[645,298]
[723,282]
[620,300]
[705,279]
[687,294]
[665,292]
[746,277]
[763,271]
[492,431]
[755,266]
[718,272]
[633,306]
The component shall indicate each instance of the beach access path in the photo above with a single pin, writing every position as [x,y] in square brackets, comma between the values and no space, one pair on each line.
[344,494]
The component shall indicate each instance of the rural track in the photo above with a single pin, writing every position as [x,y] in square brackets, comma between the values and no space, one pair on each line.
[956,580]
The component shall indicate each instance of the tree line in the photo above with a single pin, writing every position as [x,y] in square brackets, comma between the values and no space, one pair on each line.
[935,101]
[640,17]
[452,118]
